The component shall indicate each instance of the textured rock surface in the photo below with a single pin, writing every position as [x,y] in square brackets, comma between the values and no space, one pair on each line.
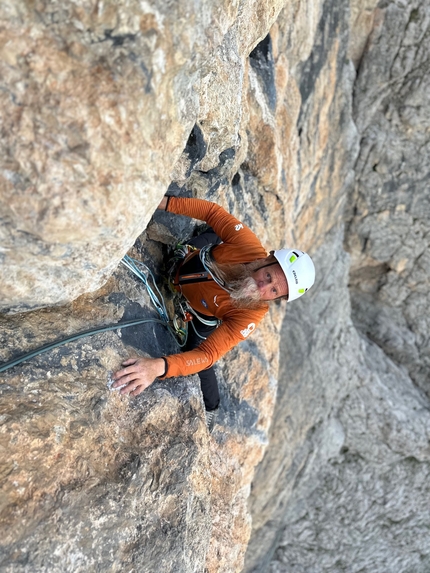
[315,135]
[98,101]
[343,485]
[90,477]
[344,482]
[389,229]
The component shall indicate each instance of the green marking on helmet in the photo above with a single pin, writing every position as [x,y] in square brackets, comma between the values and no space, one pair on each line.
[301,290]
[293,258]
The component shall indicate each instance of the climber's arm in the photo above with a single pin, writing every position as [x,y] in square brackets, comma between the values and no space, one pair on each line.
[226,226]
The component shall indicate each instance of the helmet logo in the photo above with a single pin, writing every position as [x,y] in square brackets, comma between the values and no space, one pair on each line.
[295,276]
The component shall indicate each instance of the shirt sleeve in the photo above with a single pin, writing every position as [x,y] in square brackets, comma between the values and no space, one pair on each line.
[228,228]
[223,339]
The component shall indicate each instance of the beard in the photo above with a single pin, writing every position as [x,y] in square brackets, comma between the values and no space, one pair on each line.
[240,284]
[245,294]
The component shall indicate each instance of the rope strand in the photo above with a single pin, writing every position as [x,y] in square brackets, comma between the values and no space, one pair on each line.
[156,299]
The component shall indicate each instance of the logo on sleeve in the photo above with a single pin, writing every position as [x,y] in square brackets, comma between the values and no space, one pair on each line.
[247,331]
[204,303]
[239,227]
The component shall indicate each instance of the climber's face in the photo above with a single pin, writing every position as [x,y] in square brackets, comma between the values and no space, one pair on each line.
[270,280]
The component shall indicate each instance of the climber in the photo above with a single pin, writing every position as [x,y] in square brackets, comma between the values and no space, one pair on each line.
[228,281]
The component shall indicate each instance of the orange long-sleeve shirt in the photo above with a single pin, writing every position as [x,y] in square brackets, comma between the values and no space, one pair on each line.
[240,245]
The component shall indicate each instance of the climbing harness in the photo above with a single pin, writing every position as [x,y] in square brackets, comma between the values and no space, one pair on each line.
[188,268]
[178,332]
[200,272]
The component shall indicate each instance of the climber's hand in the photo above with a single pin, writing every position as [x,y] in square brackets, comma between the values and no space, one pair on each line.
[138,374]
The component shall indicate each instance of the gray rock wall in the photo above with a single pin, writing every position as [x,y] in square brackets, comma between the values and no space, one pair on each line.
[343,485]
[388,222]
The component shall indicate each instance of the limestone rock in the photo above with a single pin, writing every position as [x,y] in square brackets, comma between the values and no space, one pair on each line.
[88,476]
[133,82]
[308,121]
[342,485]
[388,232]
[344,480]
[98,102]
[362,18]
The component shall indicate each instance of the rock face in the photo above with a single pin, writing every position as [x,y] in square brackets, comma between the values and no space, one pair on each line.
[343,485]
[90,477]
[388,229]
[308,121]
[98,102]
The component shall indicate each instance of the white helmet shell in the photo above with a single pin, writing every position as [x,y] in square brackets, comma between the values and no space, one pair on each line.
[299,271]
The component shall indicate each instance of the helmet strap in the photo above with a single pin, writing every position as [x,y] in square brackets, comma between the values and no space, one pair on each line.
[267,265]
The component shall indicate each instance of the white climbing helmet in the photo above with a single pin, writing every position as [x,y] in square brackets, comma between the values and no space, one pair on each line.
[299,271]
